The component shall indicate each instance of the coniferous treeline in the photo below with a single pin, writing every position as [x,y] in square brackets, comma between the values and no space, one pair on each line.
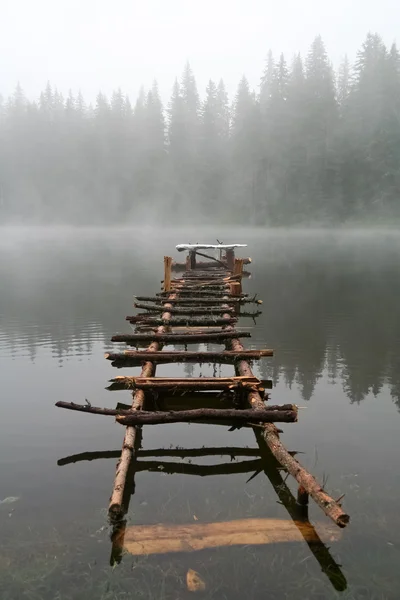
[309,147]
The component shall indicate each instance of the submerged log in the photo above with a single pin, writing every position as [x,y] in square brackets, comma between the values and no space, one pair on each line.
[182,356]
[196,321]
[141,540]
[195,310]
[179,338]
[286,413]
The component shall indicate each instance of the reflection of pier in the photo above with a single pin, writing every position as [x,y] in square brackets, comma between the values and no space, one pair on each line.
[178,315]
[253,461]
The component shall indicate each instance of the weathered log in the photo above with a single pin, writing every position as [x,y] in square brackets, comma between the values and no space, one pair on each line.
[181,356]
[330,507]
[116,506]
[206,300]
[179,338]
[277,413]
[196,321]
[199,293]
[255,416]
[143,540]
[187,383]
[195,310]
[200,287]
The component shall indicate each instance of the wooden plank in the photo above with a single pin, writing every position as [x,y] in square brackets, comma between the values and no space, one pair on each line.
[142,540]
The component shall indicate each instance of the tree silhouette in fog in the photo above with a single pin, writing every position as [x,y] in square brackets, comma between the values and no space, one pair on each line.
[306,146]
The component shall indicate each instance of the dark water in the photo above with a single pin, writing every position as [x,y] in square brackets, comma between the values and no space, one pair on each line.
[332,314]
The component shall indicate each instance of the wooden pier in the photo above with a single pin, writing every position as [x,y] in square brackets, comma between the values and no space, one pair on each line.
[202,305]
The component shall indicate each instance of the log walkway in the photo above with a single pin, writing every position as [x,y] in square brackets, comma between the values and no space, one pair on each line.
[208,295]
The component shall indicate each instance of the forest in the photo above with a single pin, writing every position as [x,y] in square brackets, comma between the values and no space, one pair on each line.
[309,146]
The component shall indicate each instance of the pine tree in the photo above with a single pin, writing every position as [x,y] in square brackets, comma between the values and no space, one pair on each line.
[266,82]
[321,120]
[246,150]
[223,113]
[343,85]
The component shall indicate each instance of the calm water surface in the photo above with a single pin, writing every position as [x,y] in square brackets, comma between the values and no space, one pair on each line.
[332,313]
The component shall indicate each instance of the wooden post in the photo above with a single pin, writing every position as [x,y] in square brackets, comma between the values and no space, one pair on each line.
[302,502]
[230,259]
[238,270]
[167,273]
[192,258]
[238,266]
[235,288]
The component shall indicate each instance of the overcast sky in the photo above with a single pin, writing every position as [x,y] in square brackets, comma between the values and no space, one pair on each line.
[106,44]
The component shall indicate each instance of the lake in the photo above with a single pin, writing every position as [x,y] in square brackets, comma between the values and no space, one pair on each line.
[331,312]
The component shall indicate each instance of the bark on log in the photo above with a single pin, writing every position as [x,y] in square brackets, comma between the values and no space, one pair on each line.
[196,321]
[180,338]
[285,413]
[193,383]
[205,293]
[200,357]
[194,311]
[255,416]
[200,301]
[330,507]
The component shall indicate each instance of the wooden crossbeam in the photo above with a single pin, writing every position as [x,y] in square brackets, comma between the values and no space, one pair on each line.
[187,383]
[179,338]
[181,356]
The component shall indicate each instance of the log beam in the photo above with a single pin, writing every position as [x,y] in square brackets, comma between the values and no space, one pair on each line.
[179,338]
[181,356]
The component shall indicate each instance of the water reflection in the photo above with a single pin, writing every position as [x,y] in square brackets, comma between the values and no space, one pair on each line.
[265,462]
[330,304]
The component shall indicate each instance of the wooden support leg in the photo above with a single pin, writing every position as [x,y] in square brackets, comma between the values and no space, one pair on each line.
[230,259]
[302,502]
[192,257]
[167,273]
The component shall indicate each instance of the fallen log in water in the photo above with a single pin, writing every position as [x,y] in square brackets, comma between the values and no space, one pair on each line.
[141,540]
[179,338]
[200,357]
[192,321]
[286,413]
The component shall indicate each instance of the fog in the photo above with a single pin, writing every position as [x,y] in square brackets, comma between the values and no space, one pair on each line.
[237,113]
